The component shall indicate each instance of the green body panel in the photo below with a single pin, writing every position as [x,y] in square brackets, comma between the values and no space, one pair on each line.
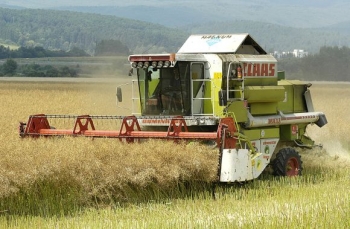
[208,108]
[152,86]
[142,93]
[299,101]
[263,108]
[239,110]
[263,99]
[296,132]
[289,132]
[215,88]
[262,133]
[294,101]
[254,94]
[263,81]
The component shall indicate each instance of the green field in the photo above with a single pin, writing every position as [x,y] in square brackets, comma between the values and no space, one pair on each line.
[83,183]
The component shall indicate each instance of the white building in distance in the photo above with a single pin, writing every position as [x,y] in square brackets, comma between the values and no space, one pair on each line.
[299,53]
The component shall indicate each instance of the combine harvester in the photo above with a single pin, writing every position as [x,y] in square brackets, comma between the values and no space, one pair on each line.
[217,88]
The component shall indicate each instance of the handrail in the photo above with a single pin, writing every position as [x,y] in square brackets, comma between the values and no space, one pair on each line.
[133,98]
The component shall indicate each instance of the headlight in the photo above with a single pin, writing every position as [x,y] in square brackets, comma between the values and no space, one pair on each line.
[154,64]
[139,64]
[160,64]
[166,64]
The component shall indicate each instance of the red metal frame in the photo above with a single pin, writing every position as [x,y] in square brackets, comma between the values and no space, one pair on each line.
[128,126]
[38,125]
[35,124]
[85,126]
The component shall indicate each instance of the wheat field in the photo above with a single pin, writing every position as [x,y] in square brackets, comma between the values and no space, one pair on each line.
[84,183]
[93,164]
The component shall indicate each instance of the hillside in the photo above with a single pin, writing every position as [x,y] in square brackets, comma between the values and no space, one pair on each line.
[297,13]
[63,30]
[341,28]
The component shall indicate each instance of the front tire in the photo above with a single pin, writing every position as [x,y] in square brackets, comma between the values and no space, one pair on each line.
[287,163]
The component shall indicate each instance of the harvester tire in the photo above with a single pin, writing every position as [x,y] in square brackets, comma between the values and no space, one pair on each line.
[287,163]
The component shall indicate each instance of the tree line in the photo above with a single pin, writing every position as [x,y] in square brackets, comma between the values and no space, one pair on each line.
[103,48]
[11,68]
[329,64]
[38,52]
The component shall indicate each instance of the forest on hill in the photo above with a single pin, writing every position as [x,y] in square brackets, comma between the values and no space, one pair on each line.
[103,48]
[329,64]
[63,30]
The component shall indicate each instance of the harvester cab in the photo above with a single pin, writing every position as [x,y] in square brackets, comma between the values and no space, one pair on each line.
[220,88]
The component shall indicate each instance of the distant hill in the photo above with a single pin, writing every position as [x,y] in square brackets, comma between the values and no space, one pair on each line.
[296,13]
[162,15]
[342,28]
[64,30]
[54,29]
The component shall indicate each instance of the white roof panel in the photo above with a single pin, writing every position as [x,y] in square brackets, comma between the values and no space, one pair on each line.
[218,43]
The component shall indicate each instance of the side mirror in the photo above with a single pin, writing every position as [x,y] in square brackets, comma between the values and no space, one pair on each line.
[119,94]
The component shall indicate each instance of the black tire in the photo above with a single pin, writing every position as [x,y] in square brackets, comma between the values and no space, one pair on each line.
[287,163]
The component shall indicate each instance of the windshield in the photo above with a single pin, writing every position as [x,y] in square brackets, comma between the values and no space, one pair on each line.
[165,91]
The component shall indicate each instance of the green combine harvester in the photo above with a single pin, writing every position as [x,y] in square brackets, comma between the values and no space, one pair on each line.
[217,88]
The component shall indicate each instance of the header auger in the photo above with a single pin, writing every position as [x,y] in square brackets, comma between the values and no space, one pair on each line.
[221,88]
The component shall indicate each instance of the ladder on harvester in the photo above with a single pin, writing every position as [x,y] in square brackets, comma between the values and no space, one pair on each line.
[238,87]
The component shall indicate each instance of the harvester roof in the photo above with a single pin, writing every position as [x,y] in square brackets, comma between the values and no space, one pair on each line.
[222,43]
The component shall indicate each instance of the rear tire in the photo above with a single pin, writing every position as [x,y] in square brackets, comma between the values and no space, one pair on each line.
[287,163]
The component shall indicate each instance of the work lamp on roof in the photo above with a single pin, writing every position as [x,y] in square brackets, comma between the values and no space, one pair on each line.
[154,64]
[166,64]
